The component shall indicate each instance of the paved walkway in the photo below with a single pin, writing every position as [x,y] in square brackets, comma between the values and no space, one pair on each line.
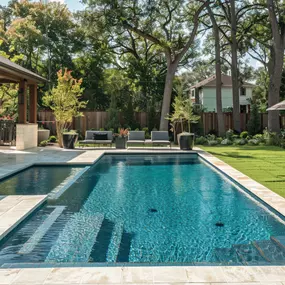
[13,209]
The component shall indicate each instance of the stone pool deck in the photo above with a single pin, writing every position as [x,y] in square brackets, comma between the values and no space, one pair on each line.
[13,209]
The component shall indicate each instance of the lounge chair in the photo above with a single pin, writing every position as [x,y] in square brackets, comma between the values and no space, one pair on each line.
[136,137]
[159,137]
[97,137]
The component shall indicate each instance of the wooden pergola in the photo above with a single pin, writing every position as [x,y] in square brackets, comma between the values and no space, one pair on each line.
[26,129]
[11,72]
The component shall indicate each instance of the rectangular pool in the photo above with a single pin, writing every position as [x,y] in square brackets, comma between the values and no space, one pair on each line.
[148,209]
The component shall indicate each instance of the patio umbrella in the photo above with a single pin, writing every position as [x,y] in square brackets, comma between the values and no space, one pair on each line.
[276,107]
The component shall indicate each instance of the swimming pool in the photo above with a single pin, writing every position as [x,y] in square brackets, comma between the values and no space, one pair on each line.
[149,209]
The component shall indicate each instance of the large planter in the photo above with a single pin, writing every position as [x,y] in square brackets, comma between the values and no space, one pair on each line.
[69,140]
[186,141]
[121,142]
[43,135]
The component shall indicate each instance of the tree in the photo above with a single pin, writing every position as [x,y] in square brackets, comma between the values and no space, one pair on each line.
[64,101]
[276,13]
[220,115]
[113,115]
[159,22]
[253,124]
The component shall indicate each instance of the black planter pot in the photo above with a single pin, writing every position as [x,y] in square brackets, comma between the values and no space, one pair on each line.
[121,143]
[186,141]
[69,140]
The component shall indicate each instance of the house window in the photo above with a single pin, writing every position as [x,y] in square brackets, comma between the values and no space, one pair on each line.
[193,93]
[242,91]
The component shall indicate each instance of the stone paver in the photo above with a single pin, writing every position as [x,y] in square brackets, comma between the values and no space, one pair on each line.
[13,209]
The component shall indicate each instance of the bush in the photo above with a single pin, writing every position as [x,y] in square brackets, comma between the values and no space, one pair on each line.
[259,138]
[230,134]
[272,138]
[253,142]
[253,124]
[44,143]
[52,139]
[201,141]
[226,142]
[240,142]
[211,137]
[212,143]
[219,140]
[244,135]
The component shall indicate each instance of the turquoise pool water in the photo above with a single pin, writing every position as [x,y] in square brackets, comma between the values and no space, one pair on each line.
[147,209]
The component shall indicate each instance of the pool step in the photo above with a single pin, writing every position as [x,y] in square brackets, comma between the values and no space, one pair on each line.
[227,256]
[76,240]
[115,242]
[270,250]
[279,240]
[249,254]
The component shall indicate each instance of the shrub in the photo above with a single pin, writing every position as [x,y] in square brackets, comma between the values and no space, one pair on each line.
[253,124]
[240,142]
[212,143]
[253,142]
[259,137]
[201,141]
[230,134]
[52,139]
[244,135]
[44,143]
[226,142]
[272,138]
[211,137]
[219,140]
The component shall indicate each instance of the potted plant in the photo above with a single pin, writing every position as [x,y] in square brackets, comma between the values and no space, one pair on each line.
[69,139]
[186,139]
[183,113]
[43,134]
[121,138]
[64,101]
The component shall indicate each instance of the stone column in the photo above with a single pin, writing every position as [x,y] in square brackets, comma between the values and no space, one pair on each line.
[33,104]
[22,102]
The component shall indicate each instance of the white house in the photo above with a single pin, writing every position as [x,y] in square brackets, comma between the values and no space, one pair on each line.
[204,93]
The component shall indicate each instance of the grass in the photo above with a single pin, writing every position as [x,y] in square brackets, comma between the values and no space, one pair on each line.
[265,164]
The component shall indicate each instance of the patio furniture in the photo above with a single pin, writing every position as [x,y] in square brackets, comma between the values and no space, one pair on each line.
[159,138]
[97,137]
[136,137]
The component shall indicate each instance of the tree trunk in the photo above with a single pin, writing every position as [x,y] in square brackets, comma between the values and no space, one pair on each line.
[59,130]
[167,96]
[220,115]
[274,88]
[235,84]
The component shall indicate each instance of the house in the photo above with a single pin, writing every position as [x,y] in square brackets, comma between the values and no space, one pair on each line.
[204,93]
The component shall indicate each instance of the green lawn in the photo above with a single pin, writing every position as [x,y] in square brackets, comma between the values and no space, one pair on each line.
[265,164]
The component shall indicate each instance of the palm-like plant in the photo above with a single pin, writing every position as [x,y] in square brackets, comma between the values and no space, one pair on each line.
[189,115]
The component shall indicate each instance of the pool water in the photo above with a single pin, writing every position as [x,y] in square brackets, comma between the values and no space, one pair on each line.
[37,180]
[144,209]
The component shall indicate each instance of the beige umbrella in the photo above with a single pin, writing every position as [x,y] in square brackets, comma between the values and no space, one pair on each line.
[276,107]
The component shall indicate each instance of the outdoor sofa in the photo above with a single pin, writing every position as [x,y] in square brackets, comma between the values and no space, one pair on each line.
[97,137]
[159,137]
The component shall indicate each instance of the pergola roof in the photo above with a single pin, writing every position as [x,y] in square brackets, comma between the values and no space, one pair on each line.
[11,72]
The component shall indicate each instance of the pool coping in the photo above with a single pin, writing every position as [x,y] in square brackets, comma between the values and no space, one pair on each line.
[149,274]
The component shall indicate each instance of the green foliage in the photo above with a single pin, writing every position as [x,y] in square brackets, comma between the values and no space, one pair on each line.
[244,135]
[44,143]
[64,101]
[253,142]
[229,134]
[52,139]
[201,141]
[253,124]
[9,100]
[212,143]
[113,115]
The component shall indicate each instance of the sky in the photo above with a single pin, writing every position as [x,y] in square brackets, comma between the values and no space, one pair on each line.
[73,5]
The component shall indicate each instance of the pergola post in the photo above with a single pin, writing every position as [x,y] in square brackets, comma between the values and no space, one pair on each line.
[33,104]
[22,102]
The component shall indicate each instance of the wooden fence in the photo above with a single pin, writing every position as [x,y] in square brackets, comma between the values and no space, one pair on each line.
[98,119]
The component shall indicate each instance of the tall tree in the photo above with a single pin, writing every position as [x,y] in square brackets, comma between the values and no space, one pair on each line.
[219,104]
[276,11]
[158,21]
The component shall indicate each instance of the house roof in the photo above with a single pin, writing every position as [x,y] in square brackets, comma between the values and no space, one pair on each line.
[12,72]
[226,82]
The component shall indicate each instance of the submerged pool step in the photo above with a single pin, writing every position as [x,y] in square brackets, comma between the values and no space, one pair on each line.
[270,250]
[68,182]
[41,230]
[227,256]
[76,240]
[249,254]
[280,240]
[115,242]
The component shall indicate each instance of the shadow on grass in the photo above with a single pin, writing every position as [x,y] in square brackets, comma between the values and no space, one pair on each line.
[231,154]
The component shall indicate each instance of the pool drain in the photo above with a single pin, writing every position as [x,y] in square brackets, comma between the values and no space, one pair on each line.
[219,224]
[152,210]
